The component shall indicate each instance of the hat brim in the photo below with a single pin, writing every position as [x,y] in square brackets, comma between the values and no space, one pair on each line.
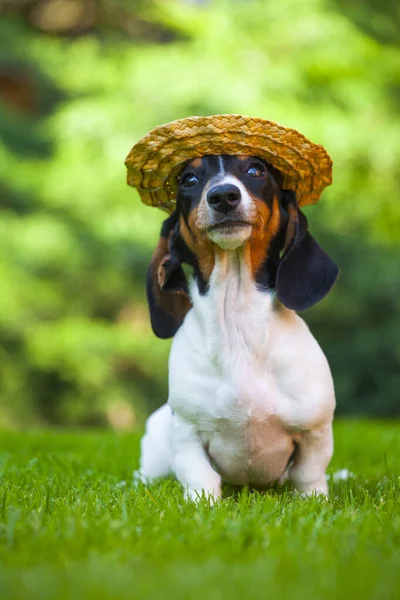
[155,162]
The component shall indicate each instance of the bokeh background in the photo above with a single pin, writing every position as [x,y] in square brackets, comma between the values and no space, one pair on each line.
[80,82]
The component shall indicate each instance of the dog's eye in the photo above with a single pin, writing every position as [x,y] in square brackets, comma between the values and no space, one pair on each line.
[255,170]
[189,180]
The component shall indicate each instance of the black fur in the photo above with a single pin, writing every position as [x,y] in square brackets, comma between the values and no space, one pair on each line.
[305,273]
[166,306]
[301,277]
[164,324]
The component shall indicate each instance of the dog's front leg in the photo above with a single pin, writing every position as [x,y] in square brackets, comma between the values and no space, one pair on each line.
[191,463]
[312,456]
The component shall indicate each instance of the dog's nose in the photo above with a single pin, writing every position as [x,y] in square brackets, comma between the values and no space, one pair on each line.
[224,198]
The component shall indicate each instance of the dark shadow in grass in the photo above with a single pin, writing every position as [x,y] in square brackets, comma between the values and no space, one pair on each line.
[169,488]
[237,491]
[350,491]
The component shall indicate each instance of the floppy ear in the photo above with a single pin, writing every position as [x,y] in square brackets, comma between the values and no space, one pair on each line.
[167,291]
[305,273]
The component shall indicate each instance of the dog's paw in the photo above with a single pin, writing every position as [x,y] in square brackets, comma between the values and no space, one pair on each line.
[315,493]
[139,477]
[317,489]
[197,496]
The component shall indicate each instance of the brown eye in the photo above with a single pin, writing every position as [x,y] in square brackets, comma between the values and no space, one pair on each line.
[255,171]
[189,180]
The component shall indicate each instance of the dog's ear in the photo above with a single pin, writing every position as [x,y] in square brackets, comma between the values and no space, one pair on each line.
[167,290]
[305,273]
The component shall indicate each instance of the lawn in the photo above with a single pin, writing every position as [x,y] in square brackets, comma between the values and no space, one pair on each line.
[72,525]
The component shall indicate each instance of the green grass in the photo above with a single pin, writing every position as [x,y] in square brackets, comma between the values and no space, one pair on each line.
[73,526]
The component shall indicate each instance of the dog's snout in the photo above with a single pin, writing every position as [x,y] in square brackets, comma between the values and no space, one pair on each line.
[224,198]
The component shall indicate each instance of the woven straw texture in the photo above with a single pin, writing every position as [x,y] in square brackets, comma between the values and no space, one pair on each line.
[155,162]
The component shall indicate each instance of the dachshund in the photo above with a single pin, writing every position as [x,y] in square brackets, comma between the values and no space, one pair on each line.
[251,398]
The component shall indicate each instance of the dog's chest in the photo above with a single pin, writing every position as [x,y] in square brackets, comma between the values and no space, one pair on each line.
[236,412]
[226,383]
[243,431]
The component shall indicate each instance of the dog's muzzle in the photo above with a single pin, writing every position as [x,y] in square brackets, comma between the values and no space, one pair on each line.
[224,198]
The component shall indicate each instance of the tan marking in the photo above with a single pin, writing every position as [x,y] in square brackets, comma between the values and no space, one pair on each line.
[291,227]
[197,162]
[265,462]
[177,304]
[199,243]
[265,227]
[285,314]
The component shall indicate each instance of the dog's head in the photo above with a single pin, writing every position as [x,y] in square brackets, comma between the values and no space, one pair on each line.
[227,203]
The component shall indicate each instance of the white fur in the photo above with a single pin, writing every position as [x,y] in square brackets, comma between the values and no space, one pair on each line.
[233,239]
[228,239]
[246,380]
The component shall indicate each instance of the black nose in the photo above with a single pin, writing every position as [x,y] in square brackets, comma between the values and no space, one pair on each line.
[224,198]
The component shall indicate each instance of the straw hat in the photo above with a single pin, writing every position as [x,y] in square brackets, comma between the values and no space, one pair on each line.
[155,162]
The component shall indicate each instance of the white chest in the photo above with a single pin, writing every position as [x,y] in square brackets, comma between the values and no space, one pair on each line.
[240,370]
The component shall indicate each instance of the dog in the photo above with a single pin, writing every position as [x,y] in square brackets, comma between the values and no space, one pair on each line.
[251,397]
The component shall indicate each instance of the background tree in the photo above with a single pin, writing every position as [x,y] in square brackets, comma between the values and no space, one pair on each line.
[80,82]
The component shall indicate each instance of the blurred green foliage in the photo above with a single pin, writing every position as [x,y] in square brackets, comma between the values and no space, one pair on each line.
[75,341]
